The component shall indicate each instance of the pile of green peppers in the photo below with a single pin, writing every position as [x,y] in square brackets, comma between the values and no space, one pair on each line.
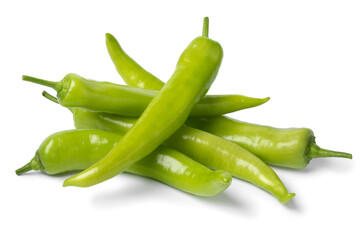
[171,132]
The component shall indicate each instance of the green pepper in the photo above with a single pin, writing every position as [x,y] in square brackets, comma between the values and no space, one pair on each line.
[76,91]
[210,150]
[289,147]
[195,72]
[78,149]
[132,73]
[292,148]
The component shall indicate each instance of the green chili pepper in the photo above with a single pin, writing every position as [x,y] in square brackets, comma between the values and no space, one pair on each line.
[76,91]
[289,147]
[78,149]
[132,73]
[210,150]
[195,71]
[292,148]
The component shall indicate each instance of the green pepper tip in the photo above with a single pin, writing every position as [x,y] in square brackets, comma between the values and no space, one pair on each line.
[65,183]
[108,35]
[225,176]
[263,100]
[70,182]
[285,199]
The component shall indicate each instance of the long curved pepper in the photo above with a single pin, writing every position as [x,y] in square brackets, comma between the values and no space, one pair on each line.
[57,154]
[292,147]
[208,149]
[136,76]
[195,72]
[284,147]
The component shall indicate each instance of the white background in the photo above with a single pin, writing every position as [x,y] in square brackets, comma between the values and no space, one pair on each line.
[305,55]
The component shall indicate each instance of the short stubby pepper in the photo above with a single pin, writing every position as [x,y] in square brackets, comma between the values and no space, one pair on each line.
[195,71]
[284,147]
[73,150]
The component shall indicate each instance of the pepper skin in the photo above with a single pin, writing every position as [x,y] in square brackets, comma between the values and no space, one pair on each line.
[78,149]
[289,147]
[292,148]
[134,75]
[195,72]
[208,149]
[76,91]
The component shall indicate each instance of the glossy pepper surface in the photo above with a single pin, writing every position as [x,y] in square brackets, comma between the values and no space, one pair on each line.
[292,147]
[74,91]
[285,147]
[78,149]
[186,138]
[195,71]
[208,149]
[134,75]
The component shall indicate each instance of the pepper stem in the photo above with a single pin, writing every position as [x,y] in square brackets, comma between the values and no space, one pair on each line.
[205,32]
[50,97]
[27,167]
[55,100]
[54,85]
[317,152]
